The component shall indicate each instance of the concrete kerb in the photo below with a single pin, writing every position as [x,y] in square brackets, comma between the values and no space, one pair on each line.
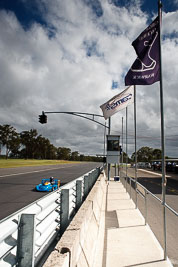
[78,243]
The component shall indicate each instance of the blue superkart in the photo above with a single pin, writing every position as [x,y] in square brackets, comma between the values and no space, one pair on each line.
[48,185]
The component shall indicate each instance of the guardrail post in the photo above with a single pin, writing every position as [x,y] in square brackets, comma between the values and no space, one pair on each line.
[90,180]
[86,186]
[98,171]
[78,194]
[126,183]
[25,240]
[145,206]
[95,175]
[64,218]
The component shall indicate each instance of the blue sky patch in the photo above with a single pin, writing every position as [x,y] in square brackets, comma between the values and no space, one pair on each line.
[92,48]
[149,6]
[26,12]
[96,7]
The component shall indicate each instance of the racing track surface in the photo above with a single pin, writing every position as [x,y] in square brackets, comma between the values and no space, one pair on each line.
[17,184]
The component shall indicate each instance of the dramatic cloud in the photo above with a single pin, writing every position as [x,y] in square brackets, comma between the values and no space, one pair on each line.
[68,64]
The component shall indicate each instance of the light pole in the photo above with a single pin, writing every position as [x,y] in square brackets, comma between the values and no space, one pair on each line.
[78,114]
[84,115]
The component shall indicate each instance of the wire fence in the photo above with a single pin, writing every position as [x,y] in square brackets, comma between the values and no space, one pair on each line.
[137,192]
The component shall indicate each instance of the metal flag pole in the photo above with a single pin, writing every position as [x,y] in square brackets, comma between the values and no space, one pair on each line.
[109,131]
[162,131]
[122,144]
[126,149]
[135,127]
[104,150]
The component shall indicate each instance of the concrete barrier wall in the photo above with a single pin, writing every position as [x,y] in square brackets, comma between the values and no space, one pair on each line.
[78,243]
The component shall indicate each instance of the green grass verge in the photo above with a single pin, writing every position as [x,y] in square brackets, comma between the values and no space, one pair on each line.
[12,163]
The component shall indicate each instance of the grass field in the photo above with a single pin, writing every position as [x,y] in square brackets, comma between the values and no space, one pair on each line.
[12,163]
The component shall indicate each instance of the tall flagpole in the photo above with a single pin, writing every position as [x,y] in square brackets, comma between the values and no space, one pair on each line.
[126,147]
[109,132]
[104,140]
[122,144]
[135,127]
[104,151]
[162,131]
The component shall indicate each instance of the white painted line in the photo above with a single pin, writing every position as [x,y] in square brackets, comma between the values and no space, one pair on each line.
[158,174]
[6,175]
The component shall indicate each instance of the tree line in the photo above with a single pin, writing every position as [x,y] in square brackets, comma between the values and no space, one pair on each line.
[30,145]
[146,154]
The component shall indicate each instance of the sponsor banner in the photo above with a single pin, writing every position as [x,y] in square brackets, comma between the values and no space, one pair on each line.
[118,102]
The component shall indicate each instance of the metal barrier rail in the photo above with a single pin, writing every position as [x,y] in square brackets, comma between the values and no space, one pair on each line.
[143,192]
[27,234]
[149,192]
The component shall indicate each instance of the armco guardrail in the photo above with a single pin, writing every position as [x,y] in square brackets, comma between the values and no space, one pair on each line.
[26,234]
[77,246]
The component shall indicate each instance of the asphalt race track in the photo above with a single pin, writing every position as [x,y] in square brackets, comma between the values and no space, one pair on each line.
[17,185]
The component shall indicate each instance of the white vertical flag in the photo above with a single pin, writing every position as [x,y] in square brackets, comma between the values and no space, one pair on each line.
[118,102]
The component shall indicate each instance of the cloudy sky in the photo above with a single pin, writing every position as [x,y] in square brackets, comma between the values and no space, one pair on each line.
[58,55]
